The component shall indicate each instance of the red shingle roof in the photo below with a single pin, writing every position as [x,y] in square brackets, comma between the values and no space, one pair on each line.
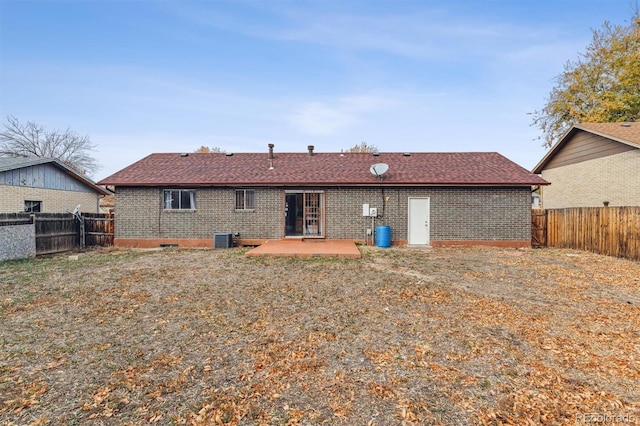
[323,169]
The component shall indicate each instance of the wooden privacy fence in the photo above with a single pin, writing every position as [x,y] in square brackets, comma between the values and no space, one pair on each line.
[98,229]
[11,219]
[56,232]
[538,228]
[613,231]
[59,232]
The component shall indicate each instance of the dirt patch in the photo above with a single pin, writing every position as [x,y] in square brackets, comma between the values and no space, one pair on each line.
[441,336]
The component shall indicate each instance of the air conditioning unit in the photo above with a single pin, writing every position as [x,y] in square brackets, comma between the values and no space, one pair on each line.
[222,240]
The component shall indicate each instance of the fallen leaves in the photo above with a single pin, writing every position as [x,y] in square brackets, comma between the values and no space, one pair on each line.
[546,398]
[28,396]
[445,336]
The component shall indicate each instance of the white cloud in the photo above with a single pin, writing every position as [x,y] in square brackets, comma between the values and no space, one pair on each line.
[374,77]
[321,119]
[332,117]
[422,31]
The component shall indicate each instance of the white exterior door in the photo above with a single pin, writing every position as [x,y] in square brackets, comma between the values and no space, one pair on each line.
[418,233]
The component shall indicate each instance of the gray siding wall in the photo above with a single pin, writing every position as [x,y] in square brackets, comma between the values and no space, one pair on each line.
[42,176]
[456,213]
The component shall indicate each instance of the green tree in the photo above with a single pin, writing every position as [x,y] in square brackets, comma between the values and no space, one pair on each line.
[364,147]
[602,85]
[32,140]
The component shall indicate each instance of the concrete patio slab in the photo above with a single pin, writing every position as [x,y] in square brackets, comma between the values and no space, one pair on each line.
[306,248]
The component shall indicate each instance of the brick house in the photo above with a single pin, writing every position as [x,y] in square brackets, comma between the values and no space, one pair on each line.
[45,185]
[425,198]
[591,164]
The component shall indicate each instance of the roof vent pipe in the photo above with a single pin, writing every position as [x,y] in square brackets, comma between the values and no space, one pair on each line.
[310,149]
[271,151]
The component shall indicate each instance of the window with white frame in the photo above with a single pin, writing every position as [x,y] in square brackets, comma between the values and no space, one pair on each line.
[245,199]
[179,199]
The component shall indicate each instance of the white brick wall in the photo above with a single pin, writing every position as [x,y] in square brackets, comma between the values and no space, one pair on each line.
[12,199]
[615,178]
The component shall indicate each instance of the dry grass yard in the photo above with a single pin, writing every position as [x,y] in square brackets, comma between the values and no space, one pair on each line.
[444,336]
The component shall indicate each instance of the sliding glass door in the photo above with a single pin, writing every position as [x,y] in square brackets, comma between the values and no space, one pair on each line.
[303,212]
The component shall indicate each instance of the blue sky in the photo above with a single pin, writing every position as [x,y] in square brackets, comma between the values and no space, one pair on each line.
[145,76]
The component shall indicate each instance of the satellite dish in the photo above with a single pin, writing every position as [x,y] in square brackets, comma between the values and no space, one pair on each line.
[76,210]
[379,169]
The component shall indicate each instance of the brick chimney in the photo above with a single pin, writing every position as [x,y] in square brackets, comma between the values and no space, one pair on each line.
[310,149]
[271,151]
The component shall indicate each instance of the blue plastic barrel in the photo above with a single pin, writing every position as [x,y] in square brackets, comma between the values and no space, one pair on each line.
[383,236]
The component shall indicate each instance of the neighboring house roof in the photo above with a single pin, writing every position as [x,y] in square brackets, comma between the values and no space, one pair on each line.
[625,133]
[323,169]
[14,163]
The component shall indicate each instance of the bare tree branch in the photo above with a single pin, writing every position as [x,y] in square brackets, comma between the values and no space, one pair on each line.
[32,140]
